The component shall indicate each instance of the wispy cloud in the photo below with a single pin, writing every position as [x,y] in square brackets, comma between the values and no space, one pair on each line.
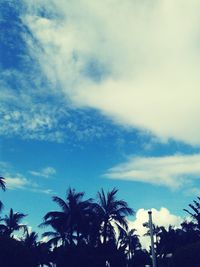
[31,123]
[18,181]
[48,121]
[32,106]
[45,172]
[136,62]
[170,171]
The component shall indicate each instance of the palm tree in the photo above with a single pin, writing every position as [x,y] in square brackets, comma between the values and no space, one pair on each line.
[3,187]
[13,222]
[190,232]
[59,235]
[69,222]
[156,230]
[40,251]
[132,243]
[195,211]
[30,239]
[169,240]
[128,241]
[112,212]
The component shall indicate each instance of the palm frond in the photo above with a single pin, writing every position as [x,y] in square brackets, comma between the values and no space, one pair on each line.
[2,183]
[53,215]
[102,198]
[61,203]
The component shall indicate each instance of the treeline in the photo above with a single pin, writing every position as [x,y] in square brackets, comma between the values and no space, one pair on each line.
[94,233]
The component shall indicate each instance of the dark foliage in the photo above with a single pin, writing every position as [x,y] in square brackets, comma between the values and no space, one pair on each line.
[187,256]
[89,233]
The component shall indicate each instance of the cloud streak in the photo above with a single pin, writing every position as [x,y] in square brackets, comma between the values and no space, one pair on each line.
[20,182]
[170,171]
[46,172]
[17,181]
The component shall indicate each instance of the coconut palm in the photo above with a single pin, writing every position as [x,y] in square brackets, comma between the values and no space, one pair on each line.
[59,235]
[12,222]
[131,242]
[112,212]
[30,239]
[167,240]
[156,230]
[128,243]
[190,232]
[195,211]
[69,222]
[40,251]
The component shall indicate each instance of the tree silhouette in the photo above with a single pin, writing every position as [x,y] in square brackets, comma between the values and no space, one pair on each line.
[129,240]
[69,222]
[12,222]
[195,211]
[112,212]
[30,239]
[89,233]
[39,250]
[190,232]
[112,216]
[3,187]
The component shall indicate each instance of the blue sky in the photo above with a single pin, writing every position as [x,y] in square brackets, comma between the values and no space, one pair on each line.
[99,95]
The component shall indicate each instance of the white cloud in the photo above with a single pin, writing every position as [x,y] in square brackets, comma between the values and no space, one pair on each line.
[43,191]
[17,181]
[170,171]
[45,172]
[136,62]
[161,217]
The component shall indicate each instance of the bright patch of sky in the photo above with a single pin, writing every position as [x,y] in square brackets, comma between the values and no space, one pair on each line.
[100,94]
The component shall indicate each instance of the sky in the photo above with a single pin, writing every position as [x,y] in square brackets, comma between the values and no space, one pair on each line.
[100,94]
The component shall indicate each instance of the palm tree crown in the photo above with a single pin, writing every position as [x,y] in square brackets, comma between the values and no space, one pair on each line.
[195,211]
[68,221]
[13,222]
[112,211]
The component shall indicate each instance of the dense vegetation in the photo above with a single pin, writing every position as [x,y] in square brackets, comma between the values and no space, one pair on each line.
[95,233]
